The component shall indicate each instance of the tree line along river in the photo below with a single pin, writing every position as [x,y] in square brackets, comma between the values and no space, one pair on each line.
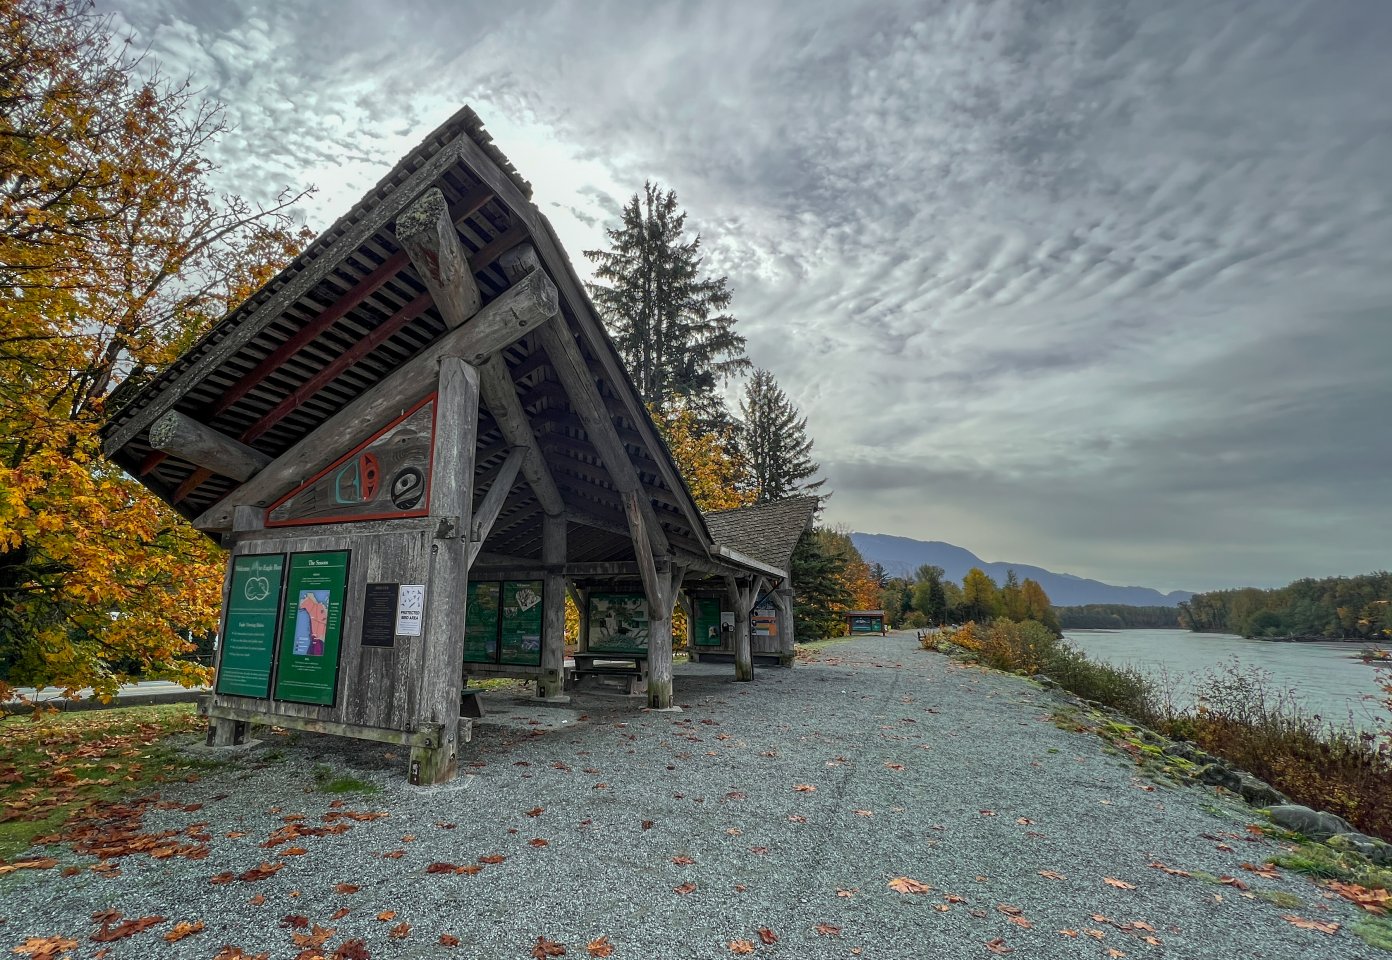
[1327,679]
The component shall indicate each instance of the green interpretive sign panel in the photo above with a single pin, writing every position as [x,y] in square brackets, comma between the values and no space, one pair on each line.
[706,629]
[312,629]
[249,632]
[481,622]
[520,634]
[618,623]
[867,624]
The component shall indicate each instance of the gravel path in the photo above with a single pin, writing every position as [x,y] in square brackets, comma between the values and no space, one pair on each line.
[783,804]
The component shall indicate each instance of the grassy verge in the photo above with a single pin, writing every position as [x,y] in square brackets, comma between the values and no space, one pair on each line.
[54,765]
[1241,717]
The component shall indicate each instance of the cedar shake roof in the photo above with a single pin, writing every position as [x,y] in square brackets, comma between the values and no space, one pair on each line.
[767,532]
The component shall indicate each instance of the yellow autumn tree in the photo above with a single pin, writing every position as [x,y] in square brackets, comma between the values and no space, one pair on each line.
[708,459]
[115,254]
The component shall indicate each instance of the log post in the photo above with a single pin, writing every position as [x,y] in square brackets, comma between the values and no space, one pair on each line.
[553,555]
[783,601]
[202,446]
[742,598]
[581,597]
[451,502]
[426,232]
[660,635]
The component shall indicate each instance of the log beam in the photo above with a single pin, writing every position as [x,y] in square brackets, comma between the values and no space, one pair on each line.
[524,307]
[493,502]
[427,234]
[553,555]
[500,394]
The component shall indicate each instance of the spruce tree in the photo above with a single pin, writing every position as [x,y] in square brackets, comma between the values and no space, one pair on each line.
[667,318]
[774,441]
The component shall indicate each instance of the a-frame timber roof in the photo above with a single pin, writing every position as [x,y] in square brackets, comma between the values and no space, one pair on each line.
[768,532]
[352,312]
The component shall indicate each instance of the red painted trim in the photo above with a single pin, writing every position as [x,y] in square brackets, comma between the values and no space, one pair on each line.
[422,511]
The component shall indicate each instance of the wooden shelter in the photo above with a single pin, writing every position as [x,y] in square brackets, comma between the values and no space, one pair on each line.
[864,621]
[768,532]
[415,440]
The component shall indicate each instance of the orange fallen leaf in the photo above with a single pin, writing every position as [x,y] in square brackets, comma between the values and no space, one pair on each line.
[827,930]
[386,915]
[1303,924]
[1374,901]
[547,948]
[183,929]
[257,900]
[1052,875]
[346,888]
[448,940]
[316,938]
[400,932]
[865,813]
[741,946]
[684,889]
[766,936]
[492,858]
[800,788]
[536,811]
[1114,953]
[600,947]
[124,929]
[683,861]
[339,914]
[997,945]
[1232,882]
[908,885]
[537,842]
[1119,884]
[45,948]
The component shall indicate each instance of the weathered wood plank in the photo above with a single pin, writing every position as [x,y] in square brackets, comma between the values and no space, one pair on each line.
[523,307]
[426,232]
[201,445]
[268,718]
[666,576]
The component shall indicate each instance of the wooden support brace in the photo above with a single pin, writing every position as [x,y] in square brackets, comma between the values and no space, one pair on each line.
[500,394]
[493,502]
[553,554]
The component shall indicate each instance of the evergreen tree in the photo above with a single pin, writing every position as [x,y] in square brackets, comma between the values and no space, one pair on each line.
[665,316]
[820,588]
[774,441]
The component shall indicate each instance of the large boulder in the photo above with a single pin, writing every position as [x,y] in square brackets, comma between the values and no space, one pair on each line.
[1217,775]
[1315,824]
[1374,849]
[1258,793]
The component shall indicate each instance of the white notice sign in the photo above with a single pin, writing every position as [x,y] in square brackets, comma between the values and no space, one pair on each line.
[410,609]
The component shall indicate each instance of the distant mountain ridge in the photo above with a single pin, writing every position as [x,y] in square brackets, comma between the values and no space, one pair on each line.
[901,556]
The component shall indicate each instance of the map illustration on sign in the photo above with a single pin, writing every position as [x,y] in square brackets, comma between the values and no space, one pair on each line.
[618,622]
[311,623]
[381,479]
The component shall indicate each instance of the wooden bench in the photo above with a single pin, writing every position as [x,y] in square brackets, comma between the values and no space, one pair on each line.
[632,668]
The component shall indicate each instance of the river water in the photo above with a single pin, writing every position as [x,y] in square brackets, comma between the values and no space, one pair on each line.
[1326,678]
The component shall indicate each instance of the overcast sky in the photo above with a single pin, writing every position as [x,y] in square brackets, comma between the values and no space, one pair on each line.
[1100,286]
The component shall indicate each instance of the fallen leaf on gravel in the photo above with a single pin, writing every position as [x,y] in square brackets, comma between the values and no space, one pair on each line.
[492,858]
[741,946]
[998,946]
[293,852]
[260,872]
[908,885]
[759,850]
[1072,934]
[442,868]
[796,818]
[1114,953]
[740,888]
[538,842]
[126,928]
[352,950]
[294,921]
[683,861]
[1232,882]
[1304,924]
[895,766]
[1157,865]
[340,913]
[987,813]
[45,948]
[1374,901]
[400,932]
[43,863]
[547,948]
[257,900]
[800,788]
[684,889]
[1119,884]
[448,940]
[229,952]
[1009,909]
[346,888]
[316,938]
[647,824]
[394,855]
[1095,934]
[1265,870]
[600,947]
[386,915]
[536,811]
[766,936]
[827,930]
[865,813]
[1052,875]
[847,894]
[227,876]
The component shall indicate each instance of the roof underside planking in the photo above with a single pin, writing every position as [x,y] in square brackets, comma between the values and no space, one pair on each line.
[352,309]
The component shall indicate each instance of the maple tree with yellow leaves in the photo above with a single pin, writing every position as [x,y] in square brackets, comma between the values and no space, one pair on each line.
[115,255]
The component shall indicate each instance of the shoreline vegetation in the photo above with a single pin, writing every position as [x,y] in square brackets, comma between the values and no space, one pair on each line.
[1241,717]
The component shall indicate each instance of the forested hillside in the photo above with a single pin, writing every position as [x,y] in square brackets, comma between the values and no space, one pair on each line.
[1117,616]
[1335,608]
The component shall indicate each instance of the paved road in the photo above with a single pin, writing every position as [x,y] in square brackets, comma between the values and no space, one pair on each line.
[130,691]
[793,805]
